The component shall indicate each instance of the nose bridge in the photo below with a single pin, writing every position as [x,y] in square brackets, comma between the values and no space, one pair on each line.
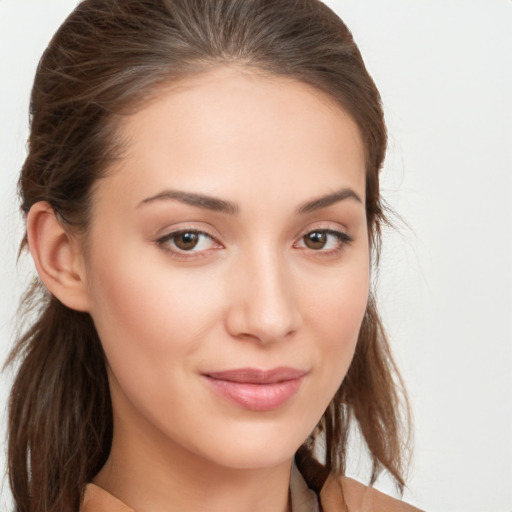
[264,305]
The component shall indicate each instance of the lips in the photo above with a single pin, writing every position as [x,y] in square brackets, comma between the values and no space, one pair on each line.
[256,390]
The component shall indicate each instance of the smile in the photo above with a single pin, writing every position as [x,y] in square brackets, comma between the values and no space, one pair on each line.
[256,390]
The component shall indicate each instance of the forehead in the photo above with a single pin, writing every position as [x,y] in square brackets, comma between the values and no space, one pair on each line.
[231,128]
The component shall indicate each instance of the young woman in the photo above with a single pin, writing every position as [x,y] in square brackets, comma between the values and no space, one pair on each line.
[202,206]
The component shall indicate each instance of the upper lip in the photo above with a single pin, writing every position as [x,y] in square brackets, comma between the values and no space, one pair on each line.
[257,376]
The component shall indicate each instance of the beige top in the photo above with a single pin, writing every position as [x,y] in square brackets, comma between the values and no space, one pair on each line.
[337,495]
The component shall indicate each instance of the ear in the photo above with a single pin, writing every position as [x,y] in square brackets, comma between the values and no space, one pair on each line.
[57,256]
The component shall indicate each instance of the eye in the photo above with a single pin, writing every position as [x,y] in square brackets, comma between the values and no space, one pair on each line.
[324,240]
[188,241]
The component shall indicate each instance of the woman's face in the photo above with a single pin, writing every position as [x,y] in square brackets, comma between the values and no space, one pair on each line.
[227,266]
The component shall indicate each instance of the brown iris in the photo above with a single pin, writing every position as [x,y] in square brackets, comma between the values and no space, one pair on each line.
[315,240]
[186,241]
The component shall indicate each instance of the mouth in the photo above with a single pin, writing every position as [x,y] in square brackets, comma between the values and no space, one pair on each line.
[256,390]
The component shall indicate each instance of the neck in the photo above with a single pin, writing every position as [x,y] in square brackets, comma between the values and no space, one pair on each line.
[149,472]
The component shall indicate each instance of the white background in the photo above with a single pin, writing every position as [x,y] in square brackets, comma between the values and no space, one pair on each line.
[444,69]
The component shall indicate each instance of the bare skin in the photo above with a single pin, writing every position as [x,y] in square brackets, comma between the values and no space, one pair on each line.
[269,271]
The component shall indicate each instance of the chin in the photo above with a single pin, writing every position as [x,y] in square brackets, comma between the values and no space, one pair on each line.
[254,447]
[254,457]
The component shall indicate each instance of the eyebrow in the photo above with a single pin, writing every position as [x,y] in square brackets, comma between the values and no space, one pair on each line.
[222,206]
[193,199]
[328,200]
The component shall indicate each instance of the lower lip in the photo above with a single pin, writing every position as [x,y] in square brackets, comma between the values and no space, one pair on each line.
[256,397]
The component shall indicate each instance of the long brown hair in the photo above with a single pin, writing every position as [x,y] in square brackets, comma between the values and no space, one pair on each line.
[106,60]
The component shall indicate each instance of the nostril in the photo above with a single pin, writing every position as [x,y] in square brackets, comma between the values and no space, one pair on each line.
[246,323]
[262,306]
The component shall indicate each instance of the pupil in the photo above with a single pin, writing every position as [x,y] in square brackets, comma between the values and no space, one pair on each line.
[187,241]
[315,240]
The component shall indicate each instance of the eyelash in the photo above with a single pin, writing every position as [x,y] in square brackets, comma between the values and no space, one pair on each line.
[164,242]
[343,239]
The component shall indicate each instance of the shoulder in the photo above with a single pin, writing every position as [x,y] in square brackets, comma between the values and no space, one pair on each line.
[342,494]
[97,500]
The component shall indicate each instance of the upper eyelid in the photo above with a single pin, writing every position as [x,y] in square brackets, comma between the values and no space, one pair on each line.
[333,232]
[324,226]
[177,232]
[169,232]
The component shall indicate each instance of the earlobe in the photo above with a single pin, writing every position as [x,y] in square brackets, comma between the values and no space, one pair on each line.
[57,256]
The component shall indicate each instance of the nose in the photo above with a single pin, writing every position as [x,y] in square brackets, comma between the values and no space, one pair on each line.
[263,301]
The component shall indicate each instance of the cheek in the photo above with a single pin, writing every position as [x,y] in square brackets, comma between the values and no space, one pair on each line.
[143,311]
[335,313]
